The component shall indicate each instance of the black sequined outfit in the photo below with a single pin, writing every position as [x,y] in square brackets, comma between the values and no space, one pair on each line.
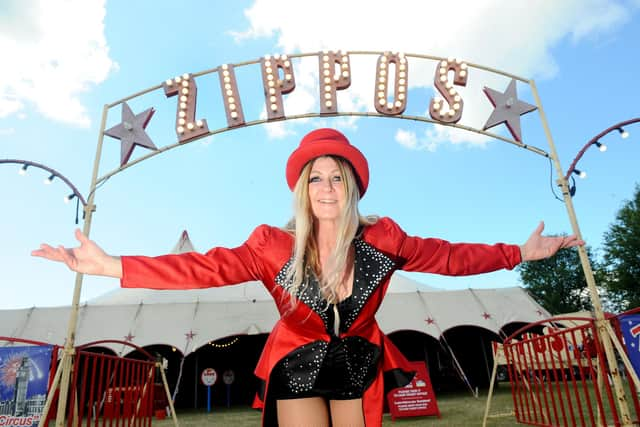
[344,367]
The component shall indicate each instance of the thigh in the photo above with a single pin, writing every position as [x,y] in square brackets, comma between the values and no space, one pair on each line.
[310,411]
[347,413]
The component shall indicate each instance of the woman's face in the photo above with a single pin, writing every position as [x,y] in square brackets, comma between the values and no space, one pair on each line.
[326,189]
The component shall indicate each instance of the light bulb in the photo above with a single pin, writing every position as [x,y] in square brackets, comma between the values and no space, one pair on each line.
[623,133]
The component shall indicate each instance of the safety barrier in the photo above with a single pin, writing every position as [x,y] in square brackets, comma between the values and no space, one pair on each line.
[561,377]
[111,390]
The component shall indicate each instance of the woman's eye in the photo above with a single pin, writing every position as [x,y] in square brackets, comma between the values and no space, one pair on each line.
[314,179]
[337,178]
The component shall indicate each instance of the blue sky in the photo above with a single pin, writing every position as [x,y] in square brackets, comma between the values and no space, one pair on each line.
[64,60]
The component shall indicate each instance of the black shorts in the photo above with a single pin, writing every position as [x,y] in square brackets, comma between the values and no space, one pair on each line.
[338,377]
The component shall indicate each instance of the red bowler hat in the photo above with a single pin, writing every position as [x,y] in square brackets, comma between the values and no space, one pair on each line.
[324,142]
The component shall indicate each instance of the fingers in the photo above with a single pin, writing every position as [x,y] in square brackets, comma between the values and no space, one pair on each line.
[540,228]
[571,241]
[80,237]
[47,252]
[66,257]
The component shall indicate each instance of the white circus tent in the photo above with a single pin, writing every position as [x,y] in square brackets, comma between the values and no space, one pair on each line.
[190,319]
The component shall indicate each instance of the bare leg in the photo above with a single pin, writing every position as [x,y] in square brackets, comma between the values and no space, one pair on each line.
[347,413]
[307,412]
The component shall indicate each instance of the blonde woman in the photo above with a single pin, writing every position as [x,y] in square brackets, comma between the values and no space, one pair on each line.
[326,361]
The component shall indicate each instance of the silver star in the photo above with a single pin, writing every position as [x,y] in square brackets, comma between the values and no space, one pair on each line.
[508,109]
[131,132]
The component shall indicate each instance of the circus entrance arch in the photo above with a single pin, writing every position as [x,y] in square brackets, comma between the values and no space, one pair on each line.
[186,112]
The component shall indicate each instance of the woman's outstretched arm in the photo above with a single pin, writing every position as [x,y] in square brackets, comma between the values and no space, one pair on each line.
[88,258]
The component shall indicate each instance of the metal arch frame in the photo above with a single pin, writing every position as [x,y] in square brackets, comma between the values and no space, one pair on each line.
[607,337]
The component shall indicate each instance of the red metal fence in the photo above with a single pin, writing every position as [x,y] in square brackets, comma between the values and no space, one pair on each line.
[561,377]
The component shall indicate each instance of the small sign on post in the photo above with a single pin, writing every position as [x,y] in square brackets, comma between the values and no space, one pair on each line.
[209,377]
[228,377]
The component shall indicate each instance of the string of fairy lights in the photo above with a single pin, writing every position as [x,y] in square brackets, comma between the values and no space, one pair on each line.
[595,142]
[53,174]
[217,345]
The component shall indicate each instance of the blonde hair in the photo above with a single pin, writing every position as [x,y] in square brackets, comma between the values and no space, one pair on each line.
[305,258]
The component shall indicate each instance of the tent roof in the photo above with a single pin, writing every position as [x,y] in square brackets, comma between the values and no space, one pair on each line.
[170,317]
[189,319]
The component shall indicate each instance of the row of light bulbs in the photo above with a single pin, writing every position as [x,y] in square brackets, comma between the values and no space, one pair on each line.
[602,147]
[216,345]
[47,181]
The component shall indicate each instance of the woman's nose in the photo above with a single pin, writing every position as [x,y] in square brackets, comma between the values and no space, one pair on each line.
[328,185]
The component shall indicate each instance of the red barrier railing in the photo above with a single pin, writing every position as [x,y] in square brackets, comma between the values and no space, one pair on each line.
[561,378]
[111,390]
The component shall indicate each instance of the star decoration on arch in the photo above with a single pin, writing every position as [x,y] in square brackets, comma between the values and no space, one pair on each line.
[189,335]
[429,320]
[507,109]
[486,315]
[131,132]
[129,337]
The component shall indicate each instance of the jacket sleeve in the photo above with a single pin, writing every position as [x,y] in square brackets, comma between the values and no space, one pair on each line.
[218,267]
[430,255]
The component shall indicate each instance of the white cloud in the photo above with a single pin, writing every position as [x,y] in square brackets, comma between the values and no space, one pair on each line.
[7,131]
[406,138]
[409,139]
[57,50]
[500,34]
[277,130]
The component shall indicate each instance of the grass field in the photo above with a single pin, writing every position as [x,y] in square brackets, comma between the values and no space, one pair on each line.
[456,410]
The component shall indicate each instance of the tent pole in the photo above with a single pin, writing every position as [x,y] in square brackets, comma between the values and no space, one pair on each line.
[52,392]
[169,399]
[458,366]
[490,394]
[195,384]
[69,350]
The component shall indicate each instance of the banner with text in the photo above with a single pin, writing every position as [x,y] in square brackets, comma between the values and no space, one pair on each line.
[416,398]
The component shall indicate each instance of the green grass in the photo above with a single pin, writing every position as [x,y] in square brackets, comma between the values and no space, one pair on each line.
[455,409]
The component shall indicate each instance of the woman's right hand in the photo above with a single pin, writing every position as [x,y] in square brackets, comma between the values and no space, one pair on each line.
[88,258]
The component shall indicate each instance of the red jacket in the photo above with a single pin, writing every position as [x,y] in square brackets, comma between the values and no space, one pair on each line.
[381,249]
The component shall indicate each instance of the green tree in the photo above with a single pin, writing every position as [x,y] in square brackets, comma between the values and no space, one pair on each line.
[558,283]
[622,255]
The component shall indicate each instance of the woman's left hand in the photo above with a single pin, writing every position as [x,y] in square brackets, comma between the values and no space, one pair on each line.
[540,247]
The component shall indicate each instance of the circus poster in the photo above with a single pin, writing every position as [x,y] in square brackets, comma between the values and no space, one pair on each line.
[24,376]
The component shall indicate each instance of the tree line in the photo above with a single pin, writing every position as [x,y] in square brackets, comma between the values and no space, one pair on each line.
[559,285]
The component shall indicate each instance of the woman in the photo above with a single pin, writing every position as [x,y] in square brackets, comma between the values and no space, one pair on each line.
[326,362]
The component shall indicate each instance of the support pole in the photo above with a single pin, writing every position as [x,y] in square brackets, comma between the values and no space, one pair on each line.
[54,386]
[491,385]
[601,322]
[66,366]
[169,398]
